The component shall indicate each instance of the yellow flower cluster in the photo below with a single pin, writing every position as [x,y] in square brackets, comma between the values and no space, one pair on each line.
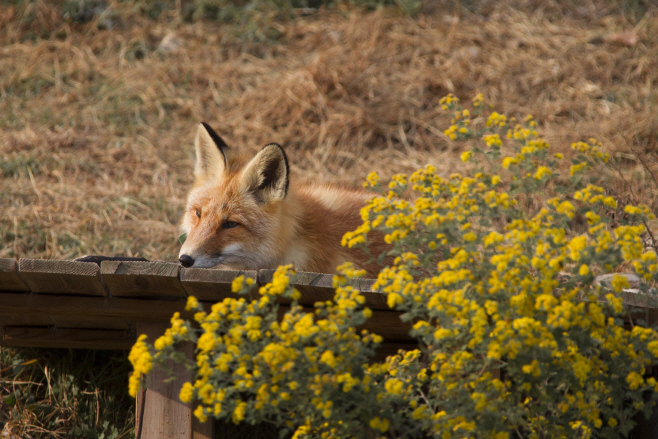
[496,299]
[592,148]
[497,120]
[252,359]
[142,363]
[448,101]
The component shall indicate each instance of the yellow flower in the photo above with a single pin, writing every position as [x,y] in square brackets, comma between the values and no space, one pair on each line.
[634,380]
[377,423]
[200,414]
[507,161]
[466,156]
[186,392]
[542,172]
[619,283]
[237,283]
[394,386]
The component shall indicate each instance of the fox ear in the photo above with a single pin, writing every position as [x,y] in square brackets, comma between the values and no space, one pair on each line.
[266,175]
[211,151]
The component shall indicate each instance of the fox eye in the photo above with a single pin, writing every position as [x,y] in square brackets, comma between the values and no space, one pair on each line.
[198,213]
[230,225]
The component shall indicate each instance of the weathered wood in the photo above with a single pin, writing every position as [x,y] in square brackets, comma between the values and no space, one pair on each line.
[62,277]
[142,279]
[211,285]
[10,280]
[67,338]
[92,307]
[163,415]
[25,319]
[385,323]
[98,259]
[388,325]
[318,287]
[637,298]
[85,322]
[391,348]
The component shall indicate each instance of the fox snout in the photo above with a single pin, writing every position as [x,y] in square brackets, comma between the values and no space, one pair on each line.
[186,261]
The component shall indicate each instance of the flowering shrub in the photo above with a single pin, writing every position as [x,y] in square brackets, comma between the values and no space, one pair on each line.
[514,337]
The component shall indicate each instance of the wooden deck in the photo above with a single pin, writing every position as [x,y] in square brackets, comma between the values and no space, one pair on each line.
[69,304]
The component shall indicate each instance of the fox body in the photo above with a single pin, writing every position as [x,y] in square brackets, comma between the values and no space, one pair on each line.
[246,214]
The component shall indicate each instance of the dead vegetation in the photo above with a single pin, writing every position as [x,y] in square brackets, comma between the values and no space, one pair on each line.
[98,121]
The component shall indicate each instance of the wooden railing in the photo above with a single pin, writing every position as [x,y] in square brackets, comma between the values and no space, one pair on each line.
[70,304]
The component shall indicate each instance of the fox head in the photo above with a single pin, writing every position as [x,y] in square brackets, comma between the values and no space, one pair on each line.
[235,214]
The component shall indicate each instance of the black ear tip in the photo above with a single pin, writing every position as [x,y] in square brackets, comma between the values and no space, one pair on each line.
[214,136]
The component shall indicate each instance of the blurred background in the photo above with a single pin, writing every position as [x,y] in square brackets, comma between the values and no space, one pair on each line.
[99,102]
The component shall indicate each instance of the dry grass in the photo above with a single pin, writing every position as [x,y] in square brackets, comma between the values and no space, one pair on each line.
[97,126]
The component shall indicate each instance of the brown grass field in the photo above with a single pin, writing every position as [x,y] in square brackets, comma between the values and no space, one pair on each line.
[98,121]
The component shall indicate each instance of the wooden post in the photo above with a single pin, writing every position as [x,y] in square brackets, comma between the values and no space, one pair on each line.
[160,413]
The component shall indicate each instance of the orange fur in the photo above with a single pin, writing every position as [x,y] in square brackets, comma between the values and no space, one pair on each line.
[300,224]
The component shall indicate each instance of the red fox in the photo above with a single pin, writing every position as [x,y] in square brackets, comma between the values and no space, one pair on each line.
[246,214]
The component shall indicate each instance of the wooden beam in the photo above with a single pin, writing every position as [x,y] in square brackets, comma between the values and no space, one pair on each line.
[62,277]
[92,307]
[637,298]
[388,325]
[10,280]
[68,338]
[85,322]
[385,323]
[160,412]
[142,279]
[211,285]
[26,319]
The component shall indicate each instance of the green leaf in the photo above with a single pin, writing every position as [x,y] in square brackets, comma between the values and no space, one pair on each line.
[182,238]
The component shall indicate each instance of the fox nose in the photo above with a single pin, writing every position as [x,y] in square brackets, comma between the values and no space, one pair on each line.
[186,261]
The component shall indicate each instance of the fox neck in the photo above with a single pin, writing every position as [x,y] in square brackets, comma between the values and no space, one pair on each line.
[295,229]
[315,220]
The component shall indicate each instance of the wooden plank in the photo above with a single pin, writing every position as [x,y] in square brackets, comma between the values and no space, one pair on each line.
[160,412]
[10,280]
[637,298]
[318,287]
[26,319]
[84,322]
[385,323]
[62,277]
[388,325]
[142,279]
[92,307]
[68,338]
[211,285]
[202,430]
